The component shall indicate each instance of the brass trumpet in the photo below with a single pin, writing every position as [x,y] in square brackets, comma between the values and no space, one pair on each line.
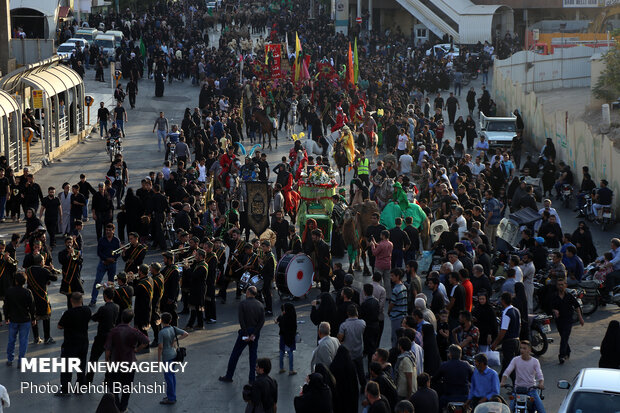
[179,250]
[188,261]
[121,249]
[9,259]
[105,285]
[75,255]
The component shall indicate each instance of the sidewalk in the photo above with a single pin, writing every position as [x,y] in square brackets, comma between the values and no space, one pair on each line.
[101,92]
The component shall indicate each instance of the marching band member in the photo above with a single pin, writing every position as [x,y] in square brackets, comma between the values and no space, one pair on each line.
[170,273]
[235,245]
[158,292]
[8,268]
[71,261]
[198,290]
[38,279]
[134,255]
[143,293]
[212,262]
[294,245]
[267,270]
[191,245]
[123,294]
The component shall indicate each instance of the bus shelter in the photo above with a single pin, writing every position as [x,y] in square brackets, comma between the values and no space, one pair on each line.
[10,131]
[54,95]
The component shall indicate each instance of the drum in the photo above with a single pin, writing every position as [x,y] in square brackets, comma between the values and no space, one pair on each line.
[294,274]
[248,280]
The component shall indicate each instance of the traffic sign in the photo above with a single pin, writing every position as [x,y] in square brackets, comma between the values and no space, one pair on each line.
[37,99]
[88,100]
[359,19]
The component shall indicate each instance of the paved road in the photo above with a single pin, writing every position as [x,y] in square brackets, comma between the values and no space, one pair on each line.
[208,351]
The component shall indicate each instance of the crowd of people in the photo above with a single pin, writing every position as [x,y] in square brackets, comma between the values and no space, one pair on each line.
[392,123]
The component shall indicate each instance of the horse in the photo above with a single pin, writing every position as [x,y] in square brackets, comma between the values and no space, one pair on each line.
[267,127]
[340,156]
[356,219]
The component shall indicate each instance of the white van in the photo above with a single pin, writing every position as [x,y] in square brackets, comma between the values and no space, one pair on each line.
[118,35]
[107,42]
[78,42]
[86,34]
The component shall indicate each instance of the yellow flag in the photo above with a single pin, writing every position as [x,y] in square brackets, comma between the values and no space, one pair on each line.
[298,61]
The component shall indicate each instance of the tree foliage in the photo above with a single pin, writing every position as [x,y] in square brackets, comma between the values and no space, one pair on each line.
[608,85]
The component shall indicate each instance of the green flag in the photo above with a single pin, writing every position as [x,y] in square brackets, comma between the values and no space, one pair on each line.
[356,67]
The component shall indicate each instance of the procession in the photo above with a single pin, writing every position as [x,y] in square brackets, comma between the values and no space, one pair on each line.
[322,193]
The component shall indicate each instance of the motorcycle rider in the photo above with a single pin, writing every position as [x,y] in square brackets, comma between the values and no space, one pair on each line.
[602,198]
[173,137]
[528,374]
[613,278]
[566,178]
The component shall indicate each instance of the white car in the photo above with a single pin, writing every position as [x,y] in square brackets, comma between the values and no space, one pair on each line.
[78,42]
[65,51]
[593,390]
[444,48]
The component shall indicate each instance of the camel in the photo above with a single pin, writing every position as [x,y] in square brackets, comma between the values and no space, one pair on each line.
[356,219]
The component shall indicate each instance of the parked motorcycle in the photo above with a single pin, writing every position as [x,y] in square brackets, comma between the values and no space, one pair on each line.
[566,194]
[540,326]
[606,220]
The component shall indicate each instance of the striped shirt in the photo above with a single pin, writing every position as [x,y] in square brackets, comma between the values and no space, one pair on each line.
[399,299]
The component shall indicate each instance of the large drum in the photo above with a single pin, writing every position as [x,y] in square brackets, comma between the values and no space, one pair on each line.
[294,274]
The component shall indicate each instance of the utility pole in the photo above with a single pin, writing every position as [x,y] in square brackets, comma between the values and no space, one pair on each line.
[7,64]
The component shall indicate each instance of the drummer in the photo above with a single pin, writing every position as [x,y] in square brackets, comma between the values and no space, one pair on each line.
[294,246]
[267,263]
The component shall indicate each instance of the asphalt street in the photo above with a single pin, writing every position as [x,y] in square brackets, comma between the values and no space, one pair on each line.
[198,388]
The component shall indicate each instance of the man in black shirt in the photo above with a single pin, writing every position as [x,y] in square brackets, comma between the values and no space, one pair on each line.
[263,167]
[106,316]
[425,399]
[479,281]
[78,202]
[373,231]
[103,114]
[19,313]
[120,116]
[74,322]
[265,388]
[400,242]
[31,193]
[158,207]
[102,210]
[280,226]
[132,91]
[457,299]
[86,189]
[5,192]
[564,305]
[414,239]
[50,205]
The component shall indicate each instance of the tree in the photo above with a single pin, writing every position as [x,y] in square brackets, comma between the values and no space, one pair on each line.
[608,84]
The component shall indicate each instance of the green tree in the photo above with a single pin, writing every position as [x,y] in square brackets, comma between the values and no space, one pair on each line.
[608,85]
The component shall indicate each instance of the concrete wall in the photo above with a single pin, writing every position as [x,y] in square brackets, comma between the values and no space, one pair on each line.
[566,68]
[26,51]
[576,142]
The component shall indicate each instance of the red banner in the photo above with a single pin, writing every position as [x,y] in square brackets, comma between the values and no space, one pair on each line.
[273,59]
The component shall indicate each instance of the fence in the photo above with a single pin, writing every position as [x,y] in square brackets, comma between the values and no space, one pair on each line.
[26,51]
[566,68]
[576,143]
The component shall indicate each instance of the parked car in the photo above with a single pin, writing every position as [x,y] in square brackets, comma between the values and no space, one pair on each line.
[592,390]
[65,50]
[445,49]
[78,42]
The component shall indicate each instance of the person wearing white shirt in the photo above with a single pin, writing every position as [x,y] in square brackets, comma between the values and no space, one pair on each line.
[402,142]
[461,221]
[5,401]
[552,211]
[514,263]
[202,171]
[405,161]
[477,167]
[529,271]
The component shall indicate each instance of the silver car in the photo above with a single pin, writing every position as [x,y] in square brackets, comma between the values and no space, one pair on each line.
[593,390]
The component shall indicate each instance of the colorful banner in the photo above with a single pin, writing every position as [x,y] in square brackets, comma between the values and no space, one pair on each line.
[273,54]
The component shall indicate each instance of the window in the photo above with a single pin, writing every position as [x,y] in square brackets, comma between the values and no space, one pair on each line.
[421,33]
